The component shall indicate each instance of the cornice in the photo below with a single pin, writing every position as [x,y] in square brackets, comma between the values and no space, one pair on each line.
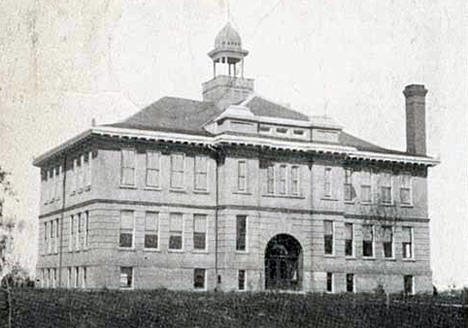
[221,140]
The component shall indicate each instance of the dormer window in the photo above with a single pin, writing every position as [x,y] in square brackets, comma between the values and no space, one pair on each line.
[265,129]
[299,132]
[282,130]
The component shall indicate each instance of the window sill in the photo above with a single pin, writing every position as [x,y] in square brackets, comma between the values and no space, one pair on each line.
[390,259]
[387,204]
[368,258]
[329,198]
[240,192]
[367,203]
[329,255]
[408,260]
[283,196]
[128,249]
[200,289]
[351,258]
[180,190]
[200,251]
[200,191]
[175,250]
[152,188]
[406,205]
[127,187]
[241,252]
[350,202]
[151,250]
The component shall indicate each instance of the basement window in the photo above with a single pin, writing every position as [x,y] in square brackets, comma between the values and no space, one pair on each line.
[199,278]
[126,277]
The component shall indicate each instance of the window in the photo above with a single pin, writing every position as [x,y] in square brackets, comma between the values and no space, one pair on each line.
[201,173]
[126,229]
[408,281]
[406,190]
[127,165]
[69,277]
[241,280]
[327,186]
[349,239]
[86,230]
[84,171]
[57,188]
[71,237]
[329,282]
[126,277]
[79,230]
[48,279]
[282,130]
[80,172]
[77,277]
[349,193]
[350,282]
[44,186]
[242,176]
[46,240]
[386,188]
[271,179]
[387,239]
[50,197]
[199,232]
[299,132]
[177,171]
[199,278]
[328,237]
[74,176]
[295,180]
[366,186]
[368,240]
[175,231]
[54,278]
[282,179]
[407,243]
[151,230]
[83,278]
[52,236]
[152,169]
[241,233]
[57,233]
[89,174]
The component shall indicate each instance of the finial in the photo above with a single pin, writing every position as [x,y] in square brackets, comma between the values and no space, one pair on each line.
[228,11]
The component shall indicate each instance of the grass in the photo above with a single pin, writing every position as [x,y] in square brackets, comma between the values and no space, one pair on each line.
[163,308]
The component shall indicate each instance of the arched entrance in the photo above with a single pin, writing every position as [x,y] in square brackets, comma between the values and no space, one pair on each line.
[283,263]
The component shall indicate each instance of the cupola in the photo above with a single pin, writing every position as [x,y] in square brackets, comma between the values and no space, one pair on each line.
[228,85]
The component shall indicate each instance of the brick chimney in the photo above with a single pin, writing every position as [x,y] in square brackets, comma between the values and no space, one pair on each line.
[415,95]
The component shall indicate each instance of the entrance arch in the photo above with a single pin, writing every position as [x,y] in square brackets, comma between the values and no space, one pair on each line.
[283,263]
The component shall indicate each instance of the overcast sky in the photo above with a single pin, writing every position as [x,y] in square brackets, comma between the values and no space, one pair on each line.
[63,63]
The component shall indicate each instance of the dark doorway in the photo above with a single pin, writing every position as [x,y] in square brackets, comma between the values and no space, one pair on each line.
[283,263]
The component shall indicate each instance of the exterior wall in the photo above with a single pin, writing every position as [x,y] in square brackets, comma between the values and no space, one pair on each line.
[268,215]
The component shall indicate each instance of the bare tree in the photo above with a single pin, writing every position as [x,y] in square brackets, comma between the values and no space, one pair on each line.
[7,226]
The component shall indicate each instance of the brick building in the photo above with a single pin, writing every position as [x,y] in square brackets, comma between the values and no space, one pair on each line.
[235,192]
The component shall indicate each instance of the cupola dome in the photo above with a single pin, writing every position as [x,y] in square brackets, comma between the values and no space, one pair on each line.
[228,38]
